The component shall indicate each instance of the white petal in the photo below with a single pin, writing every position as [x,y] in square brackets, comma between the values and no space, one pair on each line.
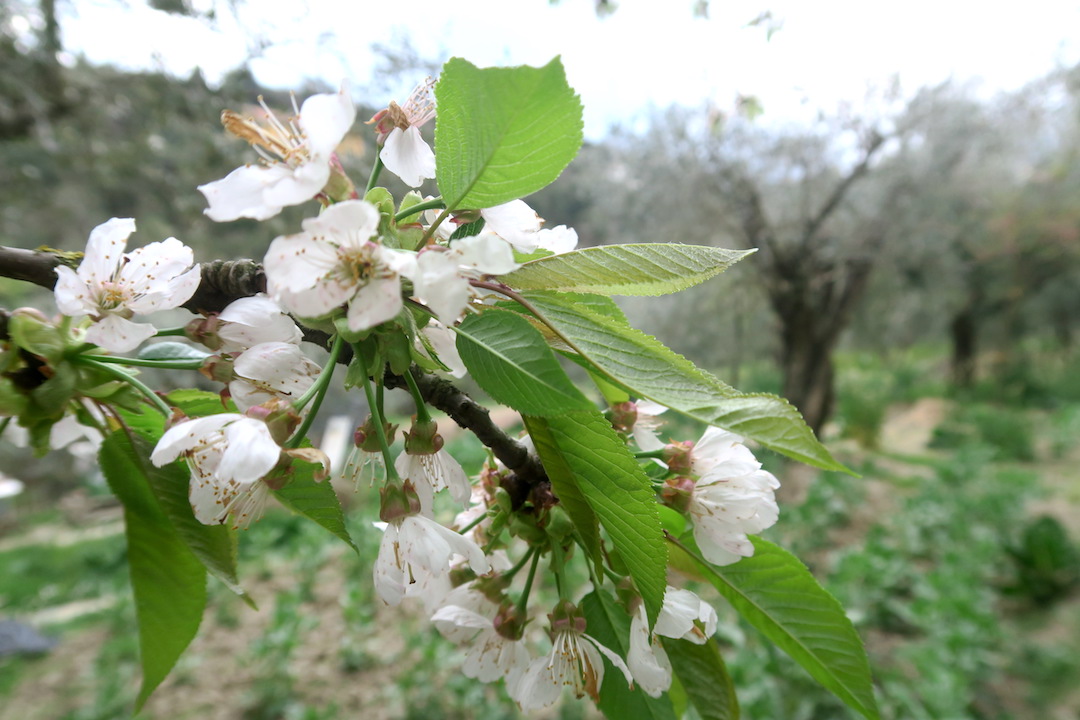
[407,155]
[375,303]
[253,320]
[487,252]
[515,222]
[558,239]
[241,193]
[116,334]
[326,118]
[444,343]
[188,435]
[613,657]
[648,663]
[250,451]
[104,250]
[348,224]
[72,294]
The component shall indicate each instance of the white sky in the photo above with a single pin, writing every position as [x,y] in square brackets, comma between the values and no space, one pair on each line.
[648,53]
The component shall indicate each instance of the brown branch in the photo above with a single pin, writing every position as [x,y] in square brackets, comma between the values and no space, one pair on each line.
[223,281]
[877,140]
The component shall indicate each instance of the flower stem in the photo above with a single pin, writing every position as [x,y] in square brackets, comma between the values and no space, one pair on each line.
[377,418]
[3,424]
[315,394]
[119,374]
[376,169]
[433,204]
[559,560]
[434,226]
[658,454]
[523,601]
[473,524]
[509,574]
[422,414]
[193,364]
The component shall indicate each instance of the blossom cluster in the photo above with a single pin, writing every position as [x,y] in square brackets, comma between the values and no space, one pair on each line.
[357,272]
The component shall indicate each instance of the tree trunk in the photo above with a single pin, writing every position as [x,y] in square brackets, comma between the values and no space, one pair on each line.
[806,360]
[963,330]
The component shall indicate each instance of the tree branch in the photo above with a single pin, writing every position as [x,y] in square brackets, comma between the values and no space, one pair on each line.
[223,281]
[814,224]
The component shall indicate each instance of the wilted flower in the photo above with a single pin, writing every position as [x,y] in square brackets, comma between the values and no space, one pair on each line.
[111,286]
[296,158]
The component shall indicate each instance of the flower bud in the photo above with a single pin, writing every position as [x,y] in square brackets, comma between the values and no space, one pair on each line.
[677,493]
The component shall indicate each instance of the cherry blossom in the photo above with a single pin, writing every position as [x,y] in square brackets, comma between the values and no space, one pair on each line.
[335,261]
[249,321]
[733,497]
[495,650]
[443,275]
[413,545]
[404,151]
[228,454]
[111,285]
[296,158]
[683,616]
[519,225]
[269,370]
[574,661]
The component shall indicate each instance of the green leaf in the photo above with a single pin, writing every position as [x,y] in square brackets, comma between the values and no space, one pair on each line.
[704,677]
[641,269]
[502,133]
[620,494]
[172,351]
[168,581]
[643,364]
[564,484]
[510,360]
[606,621]
[315,501]
[774,592]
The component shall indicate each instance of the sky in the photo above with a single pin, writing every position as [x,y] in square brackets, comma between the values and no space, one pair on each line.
[647,55]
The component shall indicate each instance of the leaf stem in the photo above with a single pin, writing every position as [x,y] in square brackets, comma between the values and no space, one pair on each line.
[434,226]
[119,374]
[315,394]
[422,414]
[193,364]
[376,169]
[523,601]
[433,204]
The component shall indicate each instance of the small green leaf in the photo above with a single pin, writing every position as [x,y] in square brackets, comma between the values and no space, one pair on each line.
[774,592]
[510,360]
[620,494]
[608,622]
[564,484]
[315,501]
[704,677]
[640,269]
[168,581]
[172,351]
[643,364]
[502,133]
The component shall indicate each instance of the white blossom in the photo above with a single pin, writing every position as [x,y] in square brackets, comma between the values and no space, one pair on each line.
[574,661]
[405,152]
[228,455]
[249,321]
[647,422]
[334,261]
[111,286]
[443,275]
[491,654]
[682,616]
[414,545]
[271,370]
[431,472]
[734,497]
[519,225]
[441,345]
[295,158]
